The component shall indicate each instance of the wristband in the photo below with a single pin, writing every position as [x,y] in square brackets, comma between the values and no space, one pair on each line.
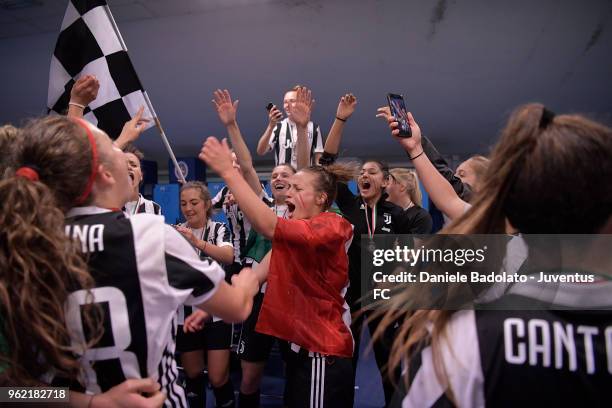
[418,155]
[340,119]
[78,105]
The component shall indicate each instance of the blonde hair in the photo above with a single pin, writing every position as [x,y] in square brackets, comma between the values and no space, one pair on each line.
[408,179]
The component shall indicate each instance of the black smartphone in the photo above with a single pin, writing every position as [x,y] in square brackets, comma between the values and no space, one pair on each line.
[399,112]
[269,106]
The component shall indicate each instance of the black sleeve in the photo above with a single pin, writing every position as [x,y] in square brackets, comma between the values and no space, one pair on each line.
[463,190]
[327,159]
[217,200]
[345,198]
[420,223]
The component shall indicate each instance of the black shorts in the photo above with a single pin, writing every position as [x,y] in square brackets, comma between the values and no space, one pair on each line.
[319,381]
[253,346]
[214,336]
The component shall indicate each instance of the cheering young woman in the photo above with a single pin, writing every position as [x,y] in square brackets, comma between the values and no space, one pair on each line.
[307,274]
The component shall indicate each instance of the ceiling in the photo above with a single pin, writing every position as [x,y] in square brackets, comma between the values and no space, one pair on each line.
[462,66]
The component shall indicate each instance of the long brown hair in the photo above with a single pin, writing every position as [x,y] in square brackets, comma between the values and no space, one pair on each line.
[534,181]
[8,138]
[40,264]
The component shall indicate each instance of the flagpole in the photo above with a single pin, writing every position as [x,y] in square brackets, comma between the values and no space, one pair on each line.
[179,174]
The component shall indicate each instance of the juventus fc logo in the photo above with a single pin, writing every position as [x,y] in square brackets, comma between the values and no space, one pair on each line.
[387,218]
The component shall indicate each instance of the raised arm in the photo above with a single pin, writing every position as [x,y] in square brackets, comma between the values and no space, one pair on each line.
[439,189]
[226,109]
[132,129]
[346,107]
[463,190]
[218,157]
[84,91]
[300,113]
[274,116]
[233,302]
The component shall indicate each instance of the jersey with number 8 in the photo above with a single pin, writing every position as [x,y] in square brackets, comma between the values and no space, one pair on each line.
[144,270]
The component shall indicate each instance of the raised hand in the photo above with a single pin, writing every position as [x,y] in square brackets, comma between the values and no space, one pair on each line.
[217,155]
[132,129]
[274,116]
[85,90]
[226,109]
[301,110]
[411,144]
[346,107]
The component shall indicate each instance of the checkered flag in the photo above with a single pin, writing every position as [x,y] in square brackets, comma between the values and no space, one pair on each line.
[90,43]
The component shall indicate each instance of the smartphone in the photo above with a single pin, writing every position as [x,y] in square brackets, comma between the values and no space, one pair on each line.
[399,112]
[269,106]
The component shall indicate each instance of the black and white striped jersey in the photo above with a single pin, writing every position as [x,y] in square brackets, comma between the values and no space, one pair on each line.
[143,271]
[284,139]
[142,205]
[513,358]
[215,233]
[239,225]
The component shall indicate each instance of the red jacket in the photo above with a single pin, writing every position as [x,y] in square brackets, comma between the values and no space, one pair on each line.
[307,281]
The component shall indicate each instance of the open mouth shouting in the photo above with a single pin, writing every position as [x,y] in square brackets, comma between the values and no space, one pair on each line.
[365,186]
[290,208]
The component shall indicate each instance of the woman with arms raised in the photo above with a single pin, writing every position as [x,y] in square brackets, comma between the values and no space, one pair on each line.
[307,274]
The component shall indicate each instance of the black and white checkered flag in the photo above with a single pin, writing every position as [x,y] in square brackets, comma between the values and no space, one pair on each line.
[90,43]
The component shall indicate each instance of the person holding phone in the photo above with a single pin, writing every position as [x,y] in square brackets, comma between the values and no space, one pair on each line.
[282,135]
[446,189]
[539,183]
[371,214]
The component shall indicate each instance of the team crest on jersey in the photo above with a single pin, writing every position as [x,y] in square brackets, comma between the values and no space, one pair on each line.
[387,217]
